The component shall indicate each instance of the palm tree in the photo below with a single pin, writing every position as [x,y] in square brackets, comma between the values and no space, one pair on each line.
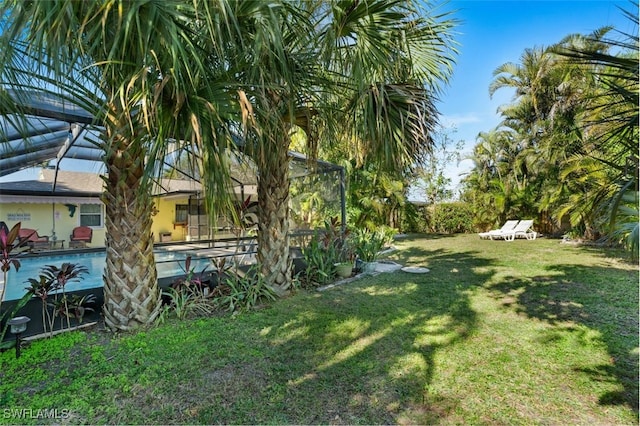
[365,73]
[610,126]
[137,67]
[530,79]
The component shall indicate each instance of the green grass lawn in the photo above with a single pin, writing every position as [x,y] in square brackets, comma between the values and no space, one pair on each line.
[523,332]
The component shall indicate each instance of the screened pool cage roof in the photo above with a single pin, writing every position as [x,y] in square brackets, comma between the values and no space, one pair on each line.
[55,129]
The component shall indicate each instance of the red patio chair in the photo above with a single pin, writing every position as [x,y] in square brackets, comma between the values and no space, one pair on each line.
[80,236]
[32,239]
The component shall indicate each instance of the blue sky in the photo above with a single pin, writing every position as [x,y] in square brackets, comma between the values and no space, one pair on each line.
[495,32]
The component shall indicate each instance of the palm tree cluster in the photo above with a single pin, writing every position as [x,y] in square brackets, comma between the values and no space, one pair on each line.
[207,77]
[567,148]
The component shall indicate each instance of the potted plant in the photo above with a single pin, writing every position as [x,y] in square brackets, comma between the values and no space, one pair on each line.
[345,258]
[327,254]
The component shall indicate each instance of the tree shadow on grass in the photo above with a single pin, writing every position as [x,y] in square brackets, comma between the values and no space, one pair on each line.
[600,298]
[368,348]
[363,353]
[423,237]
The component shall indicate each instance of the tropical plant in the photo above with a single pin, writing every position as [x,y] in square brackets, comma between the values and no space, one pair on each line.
[319,259]
[567,146]
[73,306]
[220,267]
[625,219]
[314,198]
[192,279]
[179,302]
[361,73]
[244,290]
[375,197]
[345,252]
[52,281]
[49,287]
[610,124]
[191,294]
[368,244]
[10,314]
[10,249]
[327,248]
[143,89]
[41,288]
[187,302]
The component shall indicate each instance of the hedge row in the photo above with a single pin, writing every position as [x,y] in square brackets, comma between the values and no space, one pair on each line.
[445,218]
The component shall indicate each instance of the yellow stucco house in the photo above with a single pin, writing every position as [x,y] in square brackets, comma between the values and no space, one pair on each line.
[74,200]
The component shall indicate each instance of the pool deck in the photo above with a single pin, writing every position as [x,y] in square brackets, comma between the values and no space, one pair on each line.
[243,254]
[242,250]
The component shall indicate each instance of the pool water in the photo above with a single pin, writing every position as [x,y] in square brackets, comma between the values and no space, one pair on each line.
[168,264]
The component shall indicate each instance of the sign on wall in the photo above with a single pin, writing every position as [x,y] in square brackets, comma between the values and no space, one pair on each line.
[18,217]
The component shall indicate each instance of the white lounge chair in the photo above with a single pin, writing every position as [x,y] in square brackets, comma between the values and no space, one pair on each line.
[508,226]
[522,229]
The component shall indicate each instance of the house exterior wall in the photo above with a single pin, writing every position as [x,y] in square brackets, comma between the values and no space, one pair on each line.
[163,221]
[45,217]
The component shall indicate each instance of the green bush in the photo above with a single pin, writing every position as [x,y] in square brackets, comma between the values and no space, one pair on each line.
[414,219]
[245,291]
[368,243]
[451,218]
[326,248]
[446,218]
[319,258]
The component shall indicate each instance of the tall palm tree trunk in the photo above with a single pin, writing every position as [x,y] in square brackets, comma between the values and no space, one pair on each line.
[273,215]
[131,292]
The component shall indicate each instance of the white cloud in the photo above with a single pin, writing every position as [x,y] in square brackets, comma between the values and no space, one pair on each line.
[457,119]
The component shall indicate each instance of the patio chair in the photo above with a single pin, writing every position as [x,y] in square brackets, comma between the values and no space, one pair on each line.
[508,226]
[30,237]
[523,229]
[80,236]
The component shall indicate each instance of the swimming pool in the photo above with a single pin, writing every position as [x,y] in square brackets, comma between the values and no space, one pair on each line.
[168,264]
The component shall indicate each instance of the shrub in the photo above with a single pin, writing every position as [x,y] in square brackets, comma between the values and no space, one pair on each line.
[451,218]
[243,291]
[324,250]
[367,243]
[414,218]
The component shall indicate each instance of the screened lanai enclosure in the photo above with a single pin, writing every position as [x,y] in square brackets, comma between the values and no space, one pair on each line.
[317,194]
[55,130]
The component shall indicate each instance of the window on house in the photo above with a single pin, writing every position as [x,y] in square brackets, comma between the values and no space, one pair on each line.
[196,207]
[182,212]
[91,215]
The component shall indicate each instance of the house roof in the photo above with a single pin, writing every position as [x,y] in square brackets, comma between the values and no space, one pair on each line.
[79,185]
